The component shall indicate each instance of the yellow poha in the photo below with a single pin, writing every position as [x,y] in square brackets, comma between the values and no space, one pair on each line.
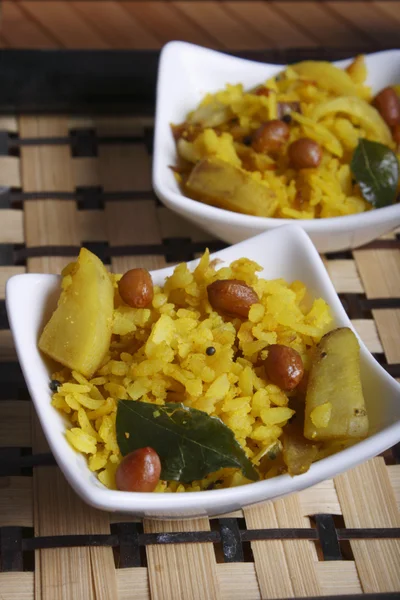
[158,355]
[330,107]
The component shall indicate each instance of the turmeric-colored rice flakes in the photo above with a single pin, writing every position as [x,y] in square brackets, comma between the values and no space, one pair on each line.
[162,354]
[284,148]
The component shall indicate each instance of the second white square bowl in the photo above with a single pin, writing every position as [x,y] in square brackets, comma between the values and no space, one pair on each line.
[186,73]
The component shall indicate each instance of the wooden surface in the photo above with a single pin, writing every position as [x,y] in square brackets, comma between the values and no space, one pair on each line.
[37,502]
[224,24]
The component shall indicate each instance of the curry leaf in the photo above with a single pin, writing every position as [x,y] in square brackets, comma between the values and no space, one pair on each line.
[189,442]
[376,170]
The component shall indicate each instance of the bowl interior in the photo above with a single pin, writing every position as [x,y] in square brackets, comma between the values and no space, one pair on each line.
[285,252]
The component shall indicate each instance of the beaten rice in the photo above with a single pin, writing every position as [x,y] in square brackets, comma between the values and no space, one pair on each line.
[162,354]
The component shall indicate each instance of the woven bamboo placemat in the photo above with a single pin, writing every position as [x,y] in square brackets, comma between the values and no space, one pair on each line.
[69,181]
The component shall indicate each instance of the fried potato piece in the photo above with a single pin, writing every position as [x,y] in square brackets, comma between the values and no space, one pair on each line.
[335,406]
[79,331]
[216,182]
[298,453]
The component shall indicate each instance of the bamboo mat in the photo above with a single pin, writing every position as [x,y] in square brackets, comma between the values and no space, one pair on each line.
[69,181]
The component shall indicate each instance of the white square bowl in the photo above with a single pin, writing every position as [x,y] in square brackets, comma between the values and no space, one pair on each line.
[284,252]
[186,73]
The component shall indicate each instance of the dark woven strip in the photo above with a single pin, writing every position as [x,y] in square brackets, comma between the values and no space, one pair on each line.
[11,558]
[353,307]
[14,464]
[24,253]
[231,540]
[119,82]
[379,303]
[186,537]
[69,541]
[17,142]
[396,453]
[194,537]
[377,596]
[16,390]
[10,196]
[393,370]
[129,547]
[253,535]
[10,372]
[3,312]
[328,538]
[369,534]
[127,540]
[382,245]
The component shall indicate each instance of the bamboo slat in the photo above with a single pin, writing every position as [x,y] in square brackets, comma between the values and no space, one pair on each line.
[394,476]
[116,164]
[183,570]
[9,169]
[85,172]
[174,226]
[5,274]
[238,583]
[366,328]
[275,561]
[17,586]
[321,498]
[15,504]
[344,276]
[367,500]
[388,323]
[134,580]
[92,225]
[7,349]
[380,272]
[338,577]
[12,230]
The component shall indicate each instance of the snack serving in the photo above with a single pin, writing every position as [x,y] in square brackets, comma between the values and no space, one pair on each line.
[309,143]
[215,379]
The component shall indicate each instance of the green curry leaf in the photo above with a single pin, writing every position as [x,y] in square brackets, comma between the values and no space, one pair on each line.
[376,170]
[189,442]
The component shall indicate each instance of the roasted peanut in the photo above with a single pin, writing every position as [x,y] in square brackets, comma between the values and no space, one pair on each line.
[136,288]
[387,104]
[231,297]
[271,136]
[139,471]
[284,366]
[262,91]
[305,154]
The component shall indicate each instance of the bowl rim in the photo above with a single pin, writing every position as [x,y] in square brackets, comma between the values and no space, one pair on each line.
[213,501]
[187,205]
